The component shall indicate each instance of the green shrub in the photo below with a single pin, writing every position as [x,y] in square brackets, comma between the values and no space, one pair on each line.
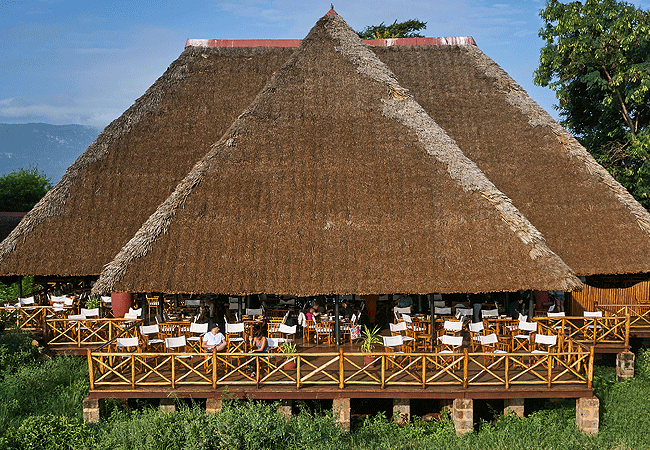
[16,350]
[48,432]
[56,386]
[642,366]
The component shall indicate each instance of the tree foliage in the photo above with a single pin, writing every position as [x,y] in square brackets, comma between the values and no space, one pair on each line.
[406,29]
[22,189]
[597,59]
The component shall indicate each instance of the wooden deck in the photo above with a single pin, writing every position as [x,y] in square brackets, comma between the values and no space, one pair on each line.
[324,372]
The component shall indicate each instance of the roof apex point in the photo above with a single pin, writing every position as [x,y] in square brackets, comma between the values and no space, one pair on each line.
[331,12]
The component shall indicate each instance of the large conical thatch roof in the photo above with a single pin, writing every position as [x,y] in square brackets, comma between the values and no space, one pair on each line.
[335,180]
[136,162]
[587,218]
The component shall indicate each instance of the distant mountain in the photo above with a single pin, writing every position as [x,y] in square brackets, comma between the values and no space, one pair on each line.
[51,148]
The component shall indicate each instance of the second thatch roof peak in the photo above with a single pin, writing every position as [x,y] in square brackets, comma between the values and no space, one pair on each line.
[335,180]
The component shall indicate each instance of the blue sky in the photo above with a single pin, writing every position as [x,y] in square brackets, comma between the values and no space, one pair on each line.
[86,62]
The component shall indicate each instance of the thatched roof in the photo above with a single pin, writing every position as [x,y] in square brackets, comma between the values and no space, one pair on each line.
[587,218]
[334,180]
[136,162]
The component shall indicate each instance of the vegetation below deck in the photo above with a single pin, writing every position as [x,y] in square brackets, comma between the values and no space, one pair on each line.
[41,408]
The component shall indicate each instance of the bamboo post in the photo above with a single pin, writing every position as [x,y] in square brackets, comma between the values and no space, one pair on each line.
[78,334]
[465,368]
[173,372]
[507,363]
[424,372]
[214,369]
[132,371]
[627,328]
[257,371]
[590,368]
[341,369]
[298,372]
[549,370]
[383,371]
[91,372]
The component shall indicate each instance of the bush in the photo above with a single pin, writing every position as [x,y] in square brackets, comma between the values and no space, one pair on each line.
[48,432]
[56,386]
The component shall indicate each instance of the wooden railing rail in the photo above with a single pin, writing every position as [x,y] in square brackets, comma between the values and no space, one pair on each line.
[639,314]
[89,332]
[590,330]
[34,317]
[341,369]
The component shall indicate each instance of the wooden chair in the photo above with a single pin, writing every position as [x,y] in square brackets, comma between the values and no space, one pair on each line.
[522,339]
[235,338]
[152,339]
[324,330]
[397,312]
[394,344]
[442,311]
[476,330]
[447,348]
[152,305]
[491,345]
[408,338]
[197,330]
[287,333]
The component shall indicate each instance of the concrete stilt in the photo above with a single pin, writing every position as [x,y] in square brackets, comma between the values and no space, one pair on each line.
[587,414]
[341,410]
[91,407]
[401,410]
[212,405]
[285,408]
[514,405]
[167,405]
[624,366]
[463,415]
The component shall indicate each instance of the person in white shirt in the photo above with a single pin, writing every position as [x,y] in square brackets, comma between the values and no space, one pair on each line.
[214,339]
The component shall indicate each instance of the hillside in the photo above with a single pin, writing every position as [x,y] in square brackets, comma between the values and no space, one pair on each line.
[51,148]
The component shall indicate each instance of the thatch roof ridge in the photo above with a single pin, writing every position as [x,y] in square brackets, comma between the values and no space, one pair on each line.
[400,107]
[538,117]
[52,202]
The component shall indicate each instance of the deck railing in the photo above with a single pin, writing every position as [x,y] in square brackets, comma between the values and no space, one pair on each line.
[639,315]
[110,368]
[88,332]
[33,317]
[591,330]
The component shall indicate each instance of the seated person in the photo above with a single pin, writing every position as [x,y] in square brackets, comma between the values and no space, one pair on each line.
[517,307]
[259,343]
[317,309]
[214,339]
[404,301]
[346,310]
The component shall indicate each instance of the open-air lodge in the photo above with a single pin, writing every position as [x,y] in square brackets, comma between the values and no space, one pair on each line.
[336,168]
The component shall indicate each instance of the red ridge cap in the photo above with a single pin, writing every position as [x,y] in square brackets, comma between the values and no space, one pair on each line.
[457,40]
[331,12]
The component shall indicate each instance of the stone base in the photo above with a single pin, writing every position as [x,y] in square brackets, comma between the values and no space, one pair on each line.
[212,405]
[514,405]
[91,408]
[401,410]
[587,414]
[167,405]
[341,410]
[463,415]
[624,366]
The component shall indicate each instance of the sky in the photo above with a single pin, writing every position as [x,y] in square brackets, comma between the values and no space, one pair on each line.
[85,62]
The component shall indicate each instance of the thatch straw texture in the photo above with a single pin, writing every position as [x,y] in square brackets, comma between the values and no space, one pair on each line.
[335,180]
[587,218]
[136,162]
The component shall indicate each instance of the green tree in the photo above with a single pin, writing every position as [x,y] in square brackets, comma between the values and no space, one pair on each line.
[406,29]
[597,59]
[22,189]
